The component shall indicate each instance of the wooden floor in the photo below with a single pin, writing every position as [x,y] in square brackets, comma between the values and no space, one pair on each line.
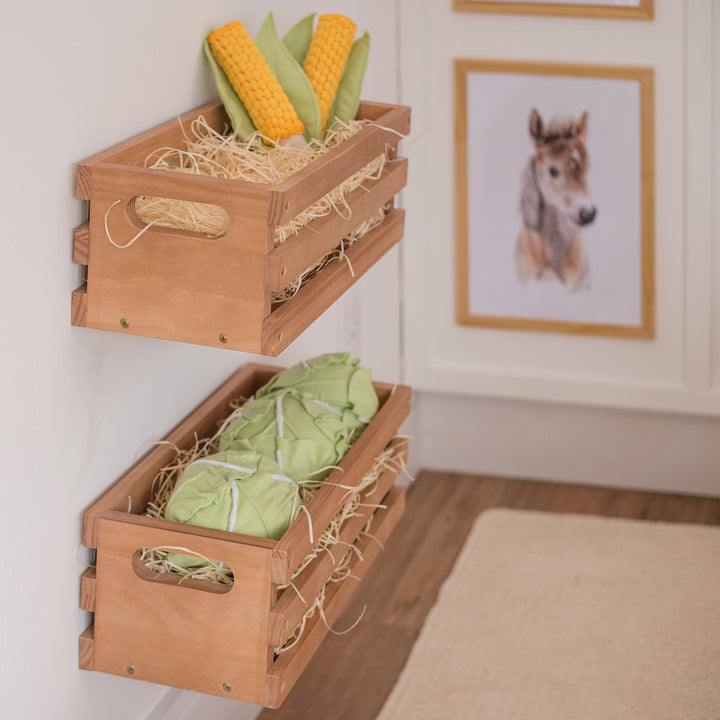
[352,675]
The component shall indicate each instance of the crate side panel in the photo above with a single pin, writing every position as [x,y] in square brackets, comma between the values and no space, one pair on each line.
[179,636]
[171,285]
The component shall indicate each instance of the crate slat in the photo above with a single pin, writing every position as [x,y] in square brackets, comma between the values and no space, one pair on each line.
[299,252]
[81,243]
[78,313]
[293,316]
[86,648]
[87,589]
[370,110]
[289,666]
[290,197]
[292,605]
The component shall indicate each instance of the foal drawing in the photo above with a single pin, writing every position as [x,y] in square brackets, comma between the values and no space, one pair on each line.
[555,204]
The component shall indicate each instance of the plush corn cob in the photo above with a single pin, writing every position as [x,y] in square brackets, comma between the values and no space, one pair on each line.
[326,58]
[254,82]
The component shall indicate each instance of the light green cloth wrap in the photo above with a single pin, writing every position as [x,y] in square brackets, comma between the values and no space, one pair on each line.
[336,380]
[239,491]
[301,432]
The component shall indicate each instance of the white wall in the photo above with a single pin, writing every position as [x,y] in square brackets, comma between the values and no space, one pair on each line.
[80,405]
[543,384]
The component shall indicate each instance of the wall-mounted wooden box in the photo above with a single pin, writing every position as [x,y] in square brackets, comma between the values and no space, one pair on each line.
[181,286]
[197,635]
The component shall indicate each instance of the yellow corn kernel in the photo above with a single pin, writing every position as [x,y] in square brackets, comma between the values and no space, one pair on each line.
[254,82]
[326,58]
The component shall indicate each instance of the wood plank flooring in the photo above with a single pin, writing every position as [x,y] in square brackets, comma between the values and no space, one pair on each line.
[352,675]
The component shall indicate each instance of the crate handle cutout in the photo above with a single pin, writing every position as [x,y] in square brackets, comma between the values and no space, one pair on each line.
[151,575]
[166,223]
[212,215]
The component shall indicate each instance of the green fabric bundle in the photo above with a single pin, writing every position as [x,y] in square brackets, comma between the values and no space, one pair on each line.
[302,433]
[298,425]
[240,491]
[336,380]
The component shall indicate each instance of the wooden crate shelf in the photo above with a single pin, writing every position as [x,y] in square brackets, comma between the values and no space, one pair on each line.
[219,639]
[181,286]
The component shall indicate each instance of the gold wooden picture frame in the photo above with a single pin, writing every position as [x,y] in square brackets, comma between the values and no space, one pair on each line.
[554,190]
[639,10]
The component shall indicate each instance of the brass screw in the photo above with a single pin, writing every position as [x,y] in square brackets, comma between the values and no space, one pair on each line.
[279,336]
[125,323]
[227,687]
[222,337]
[287,205]
[130,669]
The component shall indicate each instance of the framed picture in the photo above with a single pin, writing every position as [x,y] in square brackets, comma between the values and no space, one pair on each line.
[629,9]
[554,197]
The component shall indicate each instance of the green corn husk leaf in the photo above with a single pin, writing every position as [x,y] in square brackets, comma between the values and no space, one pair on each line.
[291,77]
[297,38]
[347,98]
[239,117]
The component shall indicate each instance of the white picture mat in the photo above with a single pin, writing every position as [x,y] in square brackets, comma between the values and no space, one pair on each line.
[499,148]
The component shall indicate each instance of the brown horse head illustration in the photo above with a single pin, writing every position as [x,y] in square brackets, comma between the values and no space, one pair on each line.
[555,203]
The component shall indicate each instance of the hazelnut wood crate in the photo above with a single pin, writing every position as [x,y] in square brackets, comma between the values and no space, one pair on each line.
[220,639]
[184,286]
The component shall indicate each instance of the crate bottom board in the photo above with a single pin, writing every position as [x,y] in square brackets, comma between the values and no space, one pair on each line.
[281,674]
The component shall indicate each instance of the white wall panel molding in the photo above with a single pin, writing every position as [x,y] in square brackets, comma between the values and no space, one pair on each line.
[699,178]
[714,152]
[543,441]
[597,391]
[674,372]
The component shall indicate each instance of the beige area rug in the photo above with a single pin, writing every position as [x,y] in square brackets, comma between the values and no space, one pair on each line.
[559,617]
